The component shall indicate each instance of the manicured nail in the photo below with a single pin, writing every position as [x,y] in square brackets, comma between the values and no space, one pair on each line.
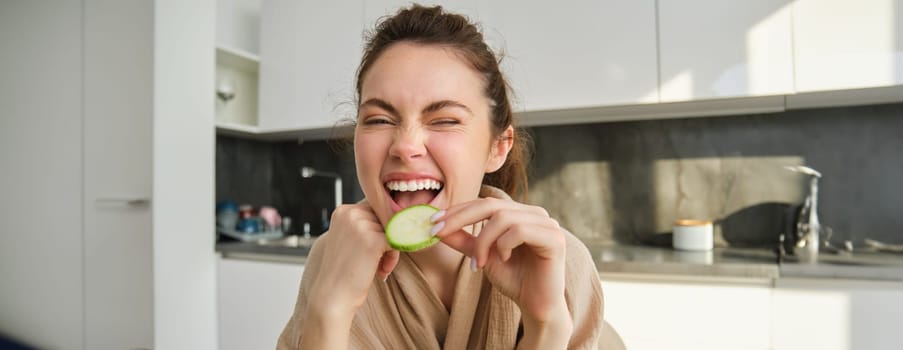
[473,264]
[436,228]
[438,215]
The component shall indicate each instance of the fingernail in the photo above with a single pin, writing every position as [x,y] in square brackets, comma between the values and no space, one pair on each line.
[436,228]
[473,264]
[438,215]
[387,277]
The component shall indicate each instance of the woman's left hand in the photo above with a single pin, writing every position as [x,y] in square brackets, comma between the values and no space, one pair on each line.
[520,248]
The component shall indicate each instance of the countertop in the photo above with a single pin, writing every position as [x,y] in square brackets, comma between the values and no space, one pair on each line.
[743,265]
[282,250]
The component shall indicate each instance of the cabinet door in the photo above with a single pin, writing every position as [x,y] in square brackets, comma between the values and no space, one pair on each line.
[41,84]
[118,128]
[475,10]
[840,44]
[568,55]
[309,52]
[837,314]
[238,25]
[577,53]
[711,48]
[666,315]
[256,299]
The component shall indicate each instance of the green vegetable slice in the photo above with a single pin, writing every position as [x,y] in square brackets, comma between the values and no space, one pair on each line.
[409,229]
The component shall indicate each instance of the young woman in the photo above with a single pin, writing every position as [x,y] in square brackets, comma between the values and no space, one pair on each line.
[435,126]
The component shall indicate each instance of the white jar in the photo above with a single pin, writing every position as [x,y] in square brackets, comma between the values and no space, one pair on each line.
[695,235]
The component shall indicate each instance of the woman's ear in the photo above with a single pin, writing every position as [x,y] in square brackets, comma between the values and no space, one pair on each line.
[499,149]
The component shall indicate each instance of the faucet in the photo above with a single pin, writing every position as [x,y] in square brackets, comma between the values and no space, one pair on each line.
[308,172]
[808,227]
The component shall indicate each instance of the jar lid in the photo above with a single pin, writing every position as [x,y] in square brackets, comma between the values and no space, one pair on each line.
[690,222]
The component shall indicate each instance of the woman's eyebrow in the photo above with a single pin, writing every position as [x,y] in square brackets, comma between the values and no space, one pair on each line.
[438,105]
[432,107]
[386,106]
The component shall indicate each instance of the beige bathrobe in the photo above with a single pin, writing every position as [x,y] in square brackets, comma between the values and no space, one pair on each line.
[404,313]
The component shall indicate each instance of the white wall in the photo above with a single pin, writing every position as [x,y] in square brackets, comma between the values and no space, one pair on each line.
[41,109]
[184,259]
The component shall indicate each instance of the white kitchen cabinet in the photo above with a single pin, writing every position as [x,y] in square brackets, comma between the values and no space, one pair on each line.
[118,175]
[836,314]
[786,313]
[689,315]
[374,10]
[578,56]
[83,278]
[576,53]
[40,103]
[841,44]
[589,61]
[256,300]
[309,53]
[238,25]
[107,151]
[237,72]
[712,49]
[237,62]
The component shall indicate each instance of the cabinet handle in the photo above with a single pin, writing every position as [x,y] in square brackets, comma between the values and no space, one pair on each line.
[124,201]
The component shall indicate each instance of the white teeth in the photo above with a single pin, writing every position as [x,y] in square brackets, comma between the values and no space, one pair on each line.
[414,185]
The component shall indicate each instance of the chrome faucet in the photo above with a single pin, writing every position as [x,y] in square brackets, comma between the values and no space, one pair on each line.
[808,228]
[308,172]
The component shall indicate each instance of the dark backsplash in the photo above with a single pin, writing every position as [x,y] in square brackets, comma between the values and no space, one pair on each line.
[628,181]
[264,173]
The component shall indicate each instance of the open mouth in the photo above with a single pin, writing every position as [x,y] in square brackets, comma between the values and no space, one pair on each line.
[413,192]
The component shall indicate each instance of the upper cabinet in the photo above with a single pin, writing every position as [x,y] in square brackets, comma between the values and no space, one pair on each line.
[309,53]
[238,25]
[576,53]
[574,61]
[841,44]
[236,88]
[584,53]
[712,48]
[237,63]
[375,9]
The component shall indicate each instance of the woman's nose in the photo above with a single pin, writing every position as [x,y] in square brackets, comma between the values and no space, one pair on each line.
[408,144]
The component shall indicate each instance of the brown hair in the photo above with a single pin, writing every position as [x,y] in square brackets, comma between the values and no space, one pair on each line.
[434,26]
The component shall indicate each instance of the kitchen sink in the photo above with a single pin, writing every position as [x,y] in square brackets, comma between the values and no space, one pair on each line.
[867,265]
[855,258]
[293,241]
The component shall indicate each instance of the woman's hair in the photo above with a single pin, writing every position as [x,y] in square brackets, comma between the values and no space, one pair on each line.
[433,26]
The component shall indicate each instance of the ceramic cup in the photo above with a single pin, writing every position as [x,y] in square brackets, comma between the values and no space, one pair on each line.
[693,235]
[227,214]
[270,217]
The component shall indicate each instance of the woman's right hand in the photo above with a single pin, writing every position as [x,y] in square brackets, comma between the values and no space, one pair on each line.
[355,250]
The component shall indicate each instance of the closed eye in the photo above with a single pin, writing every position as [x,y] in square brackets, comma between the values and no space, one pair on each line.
[445,122]
[375,121]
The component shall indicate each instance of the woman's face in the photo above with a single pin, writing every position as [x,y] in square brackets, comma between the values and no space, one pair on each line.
[423,132]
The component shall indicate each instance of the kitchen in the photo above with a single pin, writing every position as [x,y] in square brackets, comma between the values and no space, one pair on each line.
[646,117]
